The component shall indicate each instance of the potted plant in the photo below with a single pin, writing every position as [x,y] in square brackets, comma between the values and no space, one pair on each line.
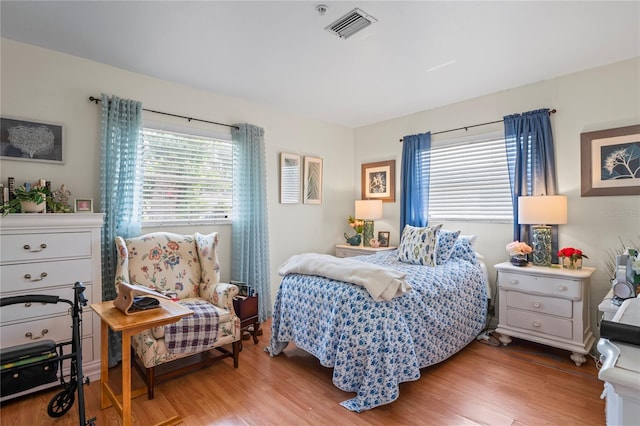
[31,200]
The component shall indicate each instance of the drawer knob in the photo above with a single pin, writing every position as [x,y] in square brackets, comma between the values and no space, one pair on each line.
[42,276]
[514,281]
[536,304]
[536,324]
[562,288]
[28,247]
[30,335]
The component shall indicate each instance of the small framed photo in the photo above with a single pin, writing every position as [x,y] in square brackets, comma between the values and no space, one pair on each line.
[83,205]
[383,238]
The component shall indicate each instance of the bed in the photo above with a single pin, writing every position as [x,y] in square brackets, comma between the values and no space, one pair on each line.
[373,346]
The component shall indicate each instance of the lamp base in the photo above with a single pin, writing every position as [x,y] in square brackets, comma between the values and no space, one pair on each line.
[541,244]
[367,233]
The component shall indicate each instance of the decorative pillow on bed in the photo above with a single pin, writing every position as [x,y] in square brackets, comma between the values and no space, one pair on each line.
[464,250]
[444,247]
[418,245]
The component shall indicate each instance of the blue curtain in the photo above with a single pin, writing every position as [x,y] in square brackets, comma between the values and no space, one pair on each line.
[415,176]
[250,233]
[531,160]
[120,189]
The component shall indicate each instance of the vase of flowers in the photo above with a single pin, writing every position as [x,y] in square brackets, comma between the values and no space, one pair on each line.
[518,252]
[358,226]
[571,258]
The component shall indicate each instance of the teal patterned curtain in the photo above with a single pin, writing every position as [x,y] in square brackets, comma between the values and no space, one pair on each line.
[250,234]
[120,189]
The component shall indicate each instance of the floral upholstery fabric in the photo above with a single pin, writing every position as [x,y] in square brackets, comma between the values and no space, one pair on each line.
[418,245]
[187,265]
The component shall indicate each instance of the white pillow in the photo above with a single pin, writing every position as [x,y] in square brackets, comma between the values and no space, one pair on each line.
[418,245]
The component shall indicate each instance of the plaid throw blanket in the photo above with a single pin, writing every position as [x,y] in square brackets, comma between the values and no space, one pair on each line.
[194,333]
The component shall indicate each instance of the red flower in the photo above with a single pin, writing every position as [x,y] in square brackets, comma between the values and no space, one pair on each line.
[572,253]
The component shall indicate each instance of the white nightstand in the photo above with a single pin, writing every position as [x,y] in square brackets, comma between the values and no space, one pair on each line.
[546,305]
[346,250]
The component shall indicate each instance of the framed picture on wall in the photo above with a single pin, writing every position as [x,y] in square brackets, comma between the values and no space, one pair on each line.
[312,180]
[31,141]
[378,181]
[610,162]
[289,178]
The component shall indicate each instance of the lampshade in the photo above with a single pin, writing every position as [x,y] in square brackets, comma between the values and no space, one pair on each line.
[542,210]
[368,209]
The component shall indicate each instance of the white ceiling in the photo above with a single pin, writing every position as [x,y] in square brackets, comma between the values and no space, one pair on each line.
[419,55]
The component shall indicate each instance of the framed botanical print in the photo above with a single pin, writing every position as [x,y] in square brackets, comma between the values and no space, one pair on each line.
[378,181]
[610,162]
[312,180]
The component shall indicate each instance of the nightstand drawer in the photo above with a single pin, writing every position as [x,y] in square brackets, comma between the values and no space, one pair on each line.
[538,303]
[556,287]
[540,323]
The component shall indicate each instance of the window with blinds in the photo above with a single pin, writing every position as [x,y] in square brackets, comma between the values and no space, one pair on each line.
[470,181]
[187,178]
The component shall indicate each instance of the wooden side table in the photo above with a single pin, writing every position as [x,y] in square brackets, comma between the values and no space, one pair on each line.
[112,318]
[246,308]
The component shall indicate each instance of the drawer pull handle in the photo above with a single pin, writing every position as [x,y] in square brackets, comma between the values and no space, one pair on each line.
[42,276]
[562,288]
[27,305]
[536,324]
[514,281]
[30,335]
[28,247]
[536,304]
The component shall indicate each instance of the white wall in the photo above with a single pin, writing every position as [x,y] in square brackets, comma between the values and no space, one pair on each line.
[39,84]
[600,98]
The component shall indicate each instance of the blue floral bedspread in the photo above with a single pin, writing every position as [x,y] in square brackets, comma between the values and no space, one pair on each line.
[375,346]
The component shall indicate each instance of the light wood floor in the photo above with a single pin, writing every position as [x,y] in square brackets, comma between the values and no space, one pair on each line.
[521,384]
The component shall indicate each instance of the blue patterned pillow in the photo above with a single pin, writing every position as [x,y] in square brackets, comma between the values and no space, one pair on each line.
[463,249]
[418,245]
[444,247]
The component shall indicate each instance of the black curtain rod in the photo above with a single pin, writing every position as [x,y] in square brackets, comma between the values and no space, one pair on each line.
[96,100]
[553,111]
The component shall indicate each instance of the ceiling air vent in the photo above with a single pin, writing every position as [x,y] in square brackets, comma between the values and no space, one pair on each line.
[351,23]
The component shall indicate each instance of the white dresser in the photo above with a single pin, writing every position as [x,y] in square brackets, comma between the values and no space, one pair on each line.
[546,305]
[46,254]
[621,370]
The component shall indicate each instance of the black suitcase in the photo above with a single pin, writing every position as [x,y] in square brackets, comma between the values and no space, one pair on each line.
[25,366]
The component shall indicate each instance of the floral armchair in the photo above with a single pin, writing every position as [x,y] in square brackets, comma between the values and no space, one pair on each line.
[185,267]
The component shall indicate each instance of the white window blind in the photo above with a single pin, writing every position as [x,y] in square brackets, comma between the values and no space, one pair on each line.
[187,178]
[470,181]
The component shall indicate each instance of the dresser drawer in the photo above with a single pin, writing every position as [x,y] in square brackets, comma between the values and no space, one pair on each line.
[28,247]
[54,328]
[543,324]
[557,287]
[36,277]
[20,311]
[538,303]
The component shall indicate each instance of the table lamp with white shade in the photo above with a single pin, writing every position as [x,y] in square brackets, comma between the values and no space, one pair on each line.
[368,211]
[542,211]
